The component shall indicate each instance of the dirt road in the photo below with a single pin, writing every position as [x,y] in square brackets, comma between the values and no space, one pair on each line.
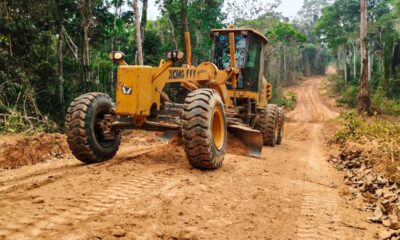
[149,191]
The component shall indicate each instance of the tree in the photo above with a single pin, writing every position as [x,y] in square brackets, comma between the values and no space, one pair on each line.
[364,101]
[86,10]
[143,22]
[309,14]
[117,5]
[250,9]
[138,36]
[60,57]
[185,23]
[286,39]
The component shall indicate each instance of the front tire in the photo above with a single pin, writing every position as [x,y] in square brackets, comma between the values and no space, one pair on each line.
[281,125]
[267,124]
[84,136]
[204,129]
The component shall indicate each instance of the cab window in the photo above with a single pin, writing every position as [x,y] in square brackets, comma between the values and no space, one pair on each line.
[222,52]
[252,70]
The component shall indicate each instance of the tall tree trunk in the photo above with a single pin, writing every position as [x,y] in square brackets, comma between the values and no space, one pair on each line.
[364,101]
[386,61]
[60,62]
[370,65]
[85,7]
[138,37]
[354,60]
[285,65]
[346,76]
[338,60]
[10,50]
[143,22]
[86,55]
[112,46]
[173,33]
[184,21]
[395,59]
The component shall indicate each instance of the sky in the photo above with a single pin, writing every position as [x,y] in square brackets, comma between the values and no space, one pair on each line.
[289,8]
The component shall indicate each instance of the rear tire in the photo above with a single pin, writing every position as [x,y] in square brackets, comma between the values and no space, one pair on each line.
[267,125]
[204,129]
[83,136]
[281,125]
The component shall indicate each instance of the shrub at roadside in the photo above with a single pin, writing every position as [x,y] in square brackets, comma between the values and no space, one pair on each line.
[378,139]
[345,93]
[15,122]
[370,157]
[348,97]
[288,100]
[385,105]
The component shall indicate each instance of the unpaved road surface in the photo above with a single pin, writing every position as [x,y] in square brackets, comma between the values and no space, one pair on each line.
[149,191]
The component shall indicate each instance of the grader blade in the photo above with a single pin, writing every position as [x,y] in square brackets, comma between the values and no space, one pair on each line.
[168,135]
[251,138]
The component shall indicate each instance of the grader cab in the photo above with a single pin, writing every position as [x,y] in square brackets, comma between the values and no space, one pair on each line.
[228,93]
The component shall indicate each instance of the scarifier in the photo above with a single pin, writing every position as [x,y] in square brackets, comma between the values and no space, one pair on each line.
[228,93]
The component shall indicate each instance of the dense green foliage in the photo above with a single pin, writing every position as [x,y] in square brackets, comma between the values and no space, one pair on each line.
[53,51]
[339,29]
[293,51]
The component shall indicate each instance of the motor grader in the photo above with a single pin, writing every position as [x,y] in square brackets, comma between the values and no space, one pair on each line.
[228,93]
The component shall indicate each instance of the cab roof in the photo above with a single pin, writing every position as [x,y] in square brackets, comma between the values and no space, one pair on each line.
[236,30]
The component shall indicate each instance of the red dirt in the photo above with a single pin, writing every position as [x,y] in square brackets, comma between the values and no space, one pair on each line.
[30,150]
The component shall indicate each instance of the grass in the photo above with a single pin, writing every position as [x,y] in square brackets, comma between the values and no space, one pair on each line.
[379,139]
[287,100]
[15,122]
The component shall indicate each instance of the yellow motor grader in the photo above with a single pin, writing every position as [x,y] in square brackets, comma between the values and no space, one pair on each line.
[228,93]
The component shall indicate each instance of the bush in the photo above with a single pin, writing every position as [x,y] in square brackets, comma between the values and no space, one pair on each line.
[349,97]
[336,83]
[12,123]
[346,93]
[15,122]
[385,105]
[288,100]
[385,134]
[378,139]
[351,124]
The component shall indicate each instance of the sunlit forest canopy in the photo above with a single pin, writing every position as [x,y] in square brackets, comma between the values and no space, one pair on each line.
[53,51]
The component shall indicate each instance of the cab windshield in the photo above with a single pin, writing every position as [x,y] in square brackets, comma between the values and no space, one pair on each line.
[247,59]
[221,52]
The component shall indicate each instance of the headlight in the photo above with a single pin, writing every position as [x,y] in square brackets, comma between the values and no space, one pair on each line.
[175,55]
[114,56]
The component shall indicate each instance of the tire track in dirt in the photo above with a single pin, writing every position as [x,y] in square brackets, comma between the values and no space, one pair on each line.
[310,107]
[319,216]
[55,220]
[49,174]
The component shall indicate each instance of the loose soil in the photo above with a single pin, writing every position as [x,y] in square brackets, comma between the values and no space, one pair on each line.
[30,150]
[149,191]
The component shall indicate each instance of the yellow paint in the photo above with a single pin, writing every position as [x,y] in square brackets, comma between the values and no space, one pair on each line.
[188,46]
[139,87]
[218,129]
